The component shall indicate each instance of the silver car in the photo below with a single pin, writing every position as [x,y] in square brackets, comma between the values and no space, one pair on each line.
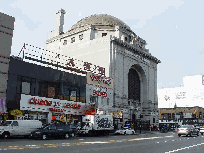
[187,130]
[125,131]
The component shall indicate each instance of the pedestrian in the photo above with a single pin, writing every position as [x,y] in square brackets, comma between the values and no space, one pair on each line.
[115,127]
[156,128]
[122,126]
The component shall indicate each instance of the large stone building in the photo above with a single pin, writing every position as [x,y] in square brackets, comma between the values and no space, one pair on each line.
[107,41]
[6,34]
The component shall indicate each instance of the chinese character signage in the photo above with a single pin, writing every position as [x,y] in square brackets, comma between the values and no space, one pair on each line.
[99,80]
[83,67]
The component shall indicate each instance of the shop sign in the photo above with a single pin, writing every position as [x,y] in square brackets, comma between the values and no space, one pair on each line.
[40,102]
[99,93]
[56,104]
[56,110]
[99,80]
[36,103]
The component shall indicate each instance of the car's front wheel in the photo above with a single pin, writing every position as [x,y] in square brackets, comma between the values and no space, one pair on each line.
[124,133]
[133,132]
[66,136]
[73,134]
[201,133]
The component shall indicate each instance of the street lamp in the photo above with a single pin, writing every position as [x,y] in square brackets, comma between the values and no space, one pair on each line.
[175,115]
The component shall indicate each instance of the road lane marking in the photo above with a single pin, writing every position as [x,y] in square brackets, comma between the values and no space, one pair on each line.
[73,144]
[184,148]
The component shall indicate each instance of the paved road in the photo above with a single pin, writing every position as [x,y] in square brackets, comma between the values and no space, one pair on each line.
[153,142]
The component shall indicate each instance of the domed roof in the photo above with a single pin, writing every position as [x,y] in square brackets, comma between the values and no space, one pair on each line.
[100,19]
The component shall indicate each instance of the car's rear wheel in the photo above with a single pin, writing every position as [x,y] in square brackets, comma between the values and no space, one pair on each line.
[124,133]
[90,134]
[179,135]
[201,133]
[66,136]
[133,132]
[6,135]
[44,137]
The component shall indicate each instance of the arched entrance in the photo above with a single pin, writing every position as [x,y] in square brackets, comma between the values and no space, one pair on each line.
[133,84]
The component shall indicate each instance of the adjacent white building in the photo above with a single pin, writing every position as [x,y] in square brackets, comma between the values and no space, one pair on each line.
[117,52]
[189,95]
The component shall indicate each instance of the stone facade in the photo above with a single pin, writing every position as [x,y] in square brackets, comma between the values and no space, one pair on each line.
[108,42]
[6,34]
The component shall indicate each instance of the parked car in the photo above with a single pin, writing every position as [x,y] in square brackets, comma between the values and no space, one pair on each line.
[19,127]
[187,130]
[125,131]
[197,128]
[54,131]
[201,130]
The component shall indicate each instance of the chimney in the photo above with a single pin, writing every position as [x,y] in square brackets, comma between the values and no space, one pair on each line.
[60,21]
[59,24]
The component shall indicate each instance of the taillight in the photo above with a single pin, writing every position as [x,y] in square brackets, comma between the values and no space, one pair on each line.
[177,129]
[187,129]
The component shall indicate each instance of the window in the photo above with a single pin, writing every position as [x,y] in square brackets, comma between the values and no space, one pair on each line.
[104,34]
[26,88]
[51,92]
[65,42]
[125,38]
[60,126]
[153,120]
[15,123]
[52,127]
[107,101]
[93,99]
[72,39]
[73,95]
[81,37]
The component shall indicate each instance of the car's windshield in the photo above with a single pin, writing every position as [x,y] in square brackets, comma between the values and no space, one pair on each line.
[7,123]
[185,126]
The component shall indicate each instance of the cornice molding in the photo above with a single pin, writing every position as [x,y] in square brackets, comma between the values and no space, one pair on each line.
[135,49]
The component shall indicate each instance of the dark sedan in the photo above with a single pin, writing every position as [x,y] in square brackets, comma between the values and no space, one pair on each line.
[54,131]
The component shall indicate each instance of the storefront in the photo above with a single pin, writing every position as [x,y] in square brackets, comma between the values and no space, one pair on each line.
[49,109]
[54,93]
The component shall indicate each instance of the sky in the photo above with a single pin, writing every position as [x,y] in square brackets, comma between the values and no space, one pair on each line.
[173,29]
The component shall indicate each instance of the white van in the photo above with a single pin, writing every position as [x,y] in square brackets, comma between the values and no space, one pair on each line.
[19,127]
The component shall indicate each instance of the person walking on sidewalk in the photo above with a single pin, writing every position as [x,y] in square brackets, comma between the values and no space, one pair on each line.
[156,128]
[150,127]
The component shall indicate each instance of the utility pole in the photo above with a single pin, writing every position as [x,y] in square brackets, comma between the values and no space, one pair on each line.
[140,122]
[175,115]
